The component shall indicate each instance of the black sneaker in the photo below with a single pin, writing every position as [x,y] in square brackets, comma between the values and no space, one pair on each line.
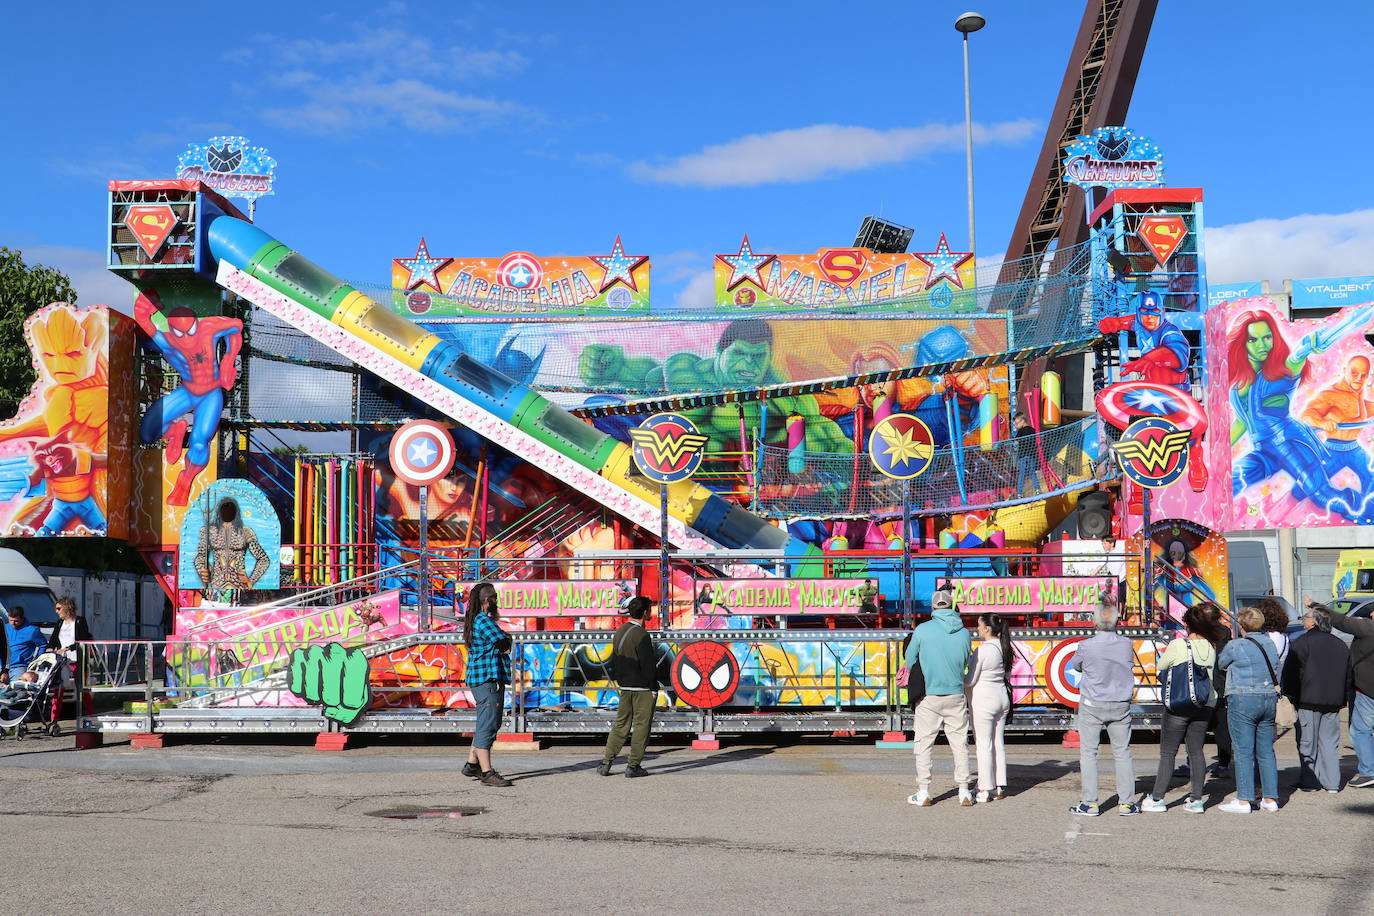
[1361,782]
[471,770]
[634,771]
[495,780]
[604,770]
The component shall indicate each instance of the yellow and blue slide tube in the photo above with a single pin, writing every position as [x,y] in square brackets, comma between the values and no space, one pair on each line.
[253,251]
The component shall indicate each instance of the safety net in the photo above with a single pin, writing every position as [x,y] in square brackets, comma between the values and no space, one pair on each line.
[1032,467]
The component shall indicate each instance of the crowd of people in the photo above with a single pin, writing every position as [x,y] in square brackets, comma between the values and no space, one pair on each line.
[1210,682]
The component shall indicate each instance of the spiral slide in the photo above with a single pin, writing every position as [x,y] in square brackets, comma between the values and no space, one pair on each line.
[257,267]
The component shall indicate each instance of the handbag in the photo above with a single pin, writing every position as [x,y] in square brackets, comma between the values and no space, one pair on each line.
[1268,664]
[914,681]
[1187,686]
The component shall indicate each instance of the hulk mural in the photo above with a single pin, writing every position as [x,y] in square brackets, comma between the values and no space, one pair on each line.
[743,359]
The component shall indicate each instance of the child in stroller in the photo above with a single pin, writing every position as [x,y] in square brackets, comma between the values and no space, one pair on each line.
[22,702]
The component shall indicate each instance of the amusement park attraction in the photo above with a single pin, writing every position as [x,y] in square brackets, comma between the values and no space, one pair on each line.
[788,474]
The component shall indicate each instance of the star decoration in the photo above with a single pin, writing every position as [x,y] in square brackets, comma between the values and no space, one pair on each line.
[423,269]
[422,453]
[619,266]
[745,265]
[1152,401]
[944,264]
[902,446]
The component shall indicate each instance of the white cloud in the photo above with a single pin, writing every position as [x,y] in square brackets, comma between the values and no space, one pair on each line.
[698,295]
[380,78]
[94,284]
[806,153]
[1310,245]
[331,107]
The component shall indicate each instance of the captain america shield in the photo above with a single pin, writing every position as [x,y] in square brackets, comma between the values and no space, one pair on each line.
[1124,402]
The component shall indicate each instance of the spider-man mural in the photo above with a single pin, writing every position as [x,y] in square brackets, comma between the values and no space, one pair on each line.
[705,674]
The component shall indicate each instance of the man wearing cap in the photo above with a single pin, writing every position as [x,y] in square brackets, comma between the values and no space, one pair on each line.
[23,642]
[941,645]
[634,663]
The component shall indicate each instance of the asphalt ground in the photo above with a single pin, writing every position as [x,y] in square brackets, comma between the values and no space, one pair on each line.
[244,826]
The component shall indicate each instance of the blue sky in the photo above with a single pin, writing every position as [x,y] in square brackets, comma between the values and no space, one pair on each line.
[554,127]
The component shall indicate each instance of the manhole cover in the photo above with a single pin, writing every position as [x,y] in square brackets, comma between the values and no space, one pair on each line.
[415,814]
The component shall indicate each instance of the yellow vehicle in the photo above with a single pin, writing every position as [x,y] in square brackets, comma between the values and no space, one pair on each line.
[1354,573]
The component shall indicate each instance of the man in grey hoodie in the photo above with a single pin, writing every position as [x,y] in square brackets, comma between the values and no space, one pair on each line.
[1106,665]
[942,647]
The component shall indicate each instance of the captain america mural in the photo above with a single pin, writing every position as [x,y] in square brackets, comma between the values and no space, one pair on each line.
[1163,348]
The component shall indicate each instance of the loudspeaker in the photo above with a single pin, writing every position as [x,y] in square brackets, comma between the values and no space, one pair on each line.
[1094,514]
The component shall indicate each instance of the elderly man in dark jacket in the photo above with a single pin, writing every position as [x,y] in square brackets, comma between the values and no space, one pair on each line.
[1316,677]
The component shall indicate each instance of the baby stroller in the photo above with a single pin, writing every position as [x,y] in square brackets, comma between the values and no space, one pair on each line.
[18,717]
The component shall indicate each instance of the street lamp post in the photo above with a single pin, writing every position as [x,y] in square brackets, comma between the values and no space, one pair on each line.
[969,22]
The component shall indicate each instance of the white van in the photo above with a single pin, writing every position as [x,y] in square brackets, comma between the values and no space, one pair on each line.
[22,585]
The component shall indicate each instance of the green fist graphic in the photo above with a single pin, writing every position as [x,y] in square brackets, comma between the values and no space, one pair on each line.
[334,677]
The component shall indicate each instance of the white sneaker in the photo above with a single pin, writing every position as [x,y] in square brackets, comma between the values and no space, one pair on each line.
[965,798]
[921,799]
[1235,806]
[1151,805]
[1268,804]
[984,796]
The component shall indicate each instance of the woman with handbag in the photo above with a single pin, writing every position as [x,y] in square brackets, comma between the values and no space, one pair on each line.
[988,687]
[1188,681]
[1252,686]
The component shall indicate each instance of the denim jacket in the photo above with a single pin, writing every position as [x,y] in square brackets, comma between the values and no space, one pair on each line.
[1246,671]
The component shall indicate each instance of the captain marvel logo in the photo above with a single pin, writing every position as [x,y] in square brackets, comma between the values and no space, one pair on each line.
[705,674]
[1153,452]
[667,447]
[901,446]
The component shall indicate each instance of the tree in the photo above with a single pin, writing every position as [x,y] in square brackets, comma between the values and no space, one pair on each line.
[23,291]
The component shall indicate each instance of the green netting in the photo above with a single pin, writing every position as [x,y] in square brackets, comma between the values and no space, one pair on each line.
[1020,470]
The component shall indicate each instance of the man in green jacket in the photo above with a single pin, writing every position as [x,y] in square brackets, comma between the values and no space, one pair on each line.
[942,646]
[634,663]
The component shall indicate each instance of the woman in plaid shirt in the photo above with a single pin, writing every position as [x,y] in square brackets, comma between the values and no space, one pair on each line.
[488,673]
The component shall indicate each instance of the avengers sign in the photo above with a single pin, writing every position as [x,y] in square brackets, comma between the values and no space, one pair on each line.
[1114,157]
[230,165]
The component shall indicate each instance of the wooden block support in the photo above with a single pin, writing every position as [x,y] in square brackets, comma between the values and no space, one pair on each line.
[147,739]
[1071,739]
[86,741]
[332,741]
[706,741]
[894,737]
[518,741]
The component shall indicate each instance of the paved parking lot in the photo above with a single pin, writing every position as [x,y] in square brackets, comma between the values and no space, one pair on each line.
[242,826]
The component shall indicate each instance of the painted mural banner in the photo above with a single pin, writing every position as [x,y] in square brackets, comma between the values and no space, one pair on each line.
[230,524]
[1070,596]
[749,597]
[56,474]
[558,597]
[520,283]
[937,281]
[1295,397]
[1190,564]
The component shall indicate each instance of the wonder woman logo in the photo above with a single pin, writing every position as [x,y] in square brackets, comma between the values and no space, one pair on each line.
[1153,452]
[667,447]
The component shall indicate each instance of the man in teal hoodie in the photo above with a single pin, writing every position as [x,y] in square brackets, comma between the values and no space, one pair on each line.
[942,646]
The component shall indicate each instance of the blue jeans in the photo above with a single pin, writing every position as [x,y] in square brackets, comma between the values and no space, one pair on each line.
[1252,738]
[1362,733]
[490,697]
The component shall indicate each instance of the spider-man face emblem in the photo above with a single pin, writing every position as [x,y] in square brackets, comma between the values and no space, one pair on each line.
[705,674]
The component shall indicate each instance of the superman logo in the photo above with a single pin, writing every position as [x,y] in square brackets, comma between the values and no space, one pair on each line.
[1163,235]
[151,225]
